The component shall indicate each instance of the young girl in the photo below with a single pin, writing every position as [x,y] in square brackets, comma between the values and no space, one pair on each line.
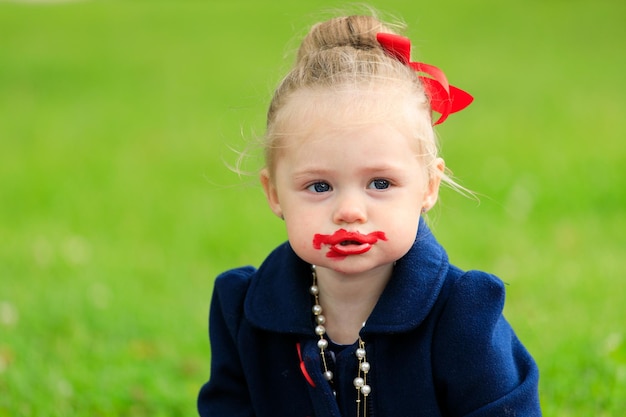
[360,313]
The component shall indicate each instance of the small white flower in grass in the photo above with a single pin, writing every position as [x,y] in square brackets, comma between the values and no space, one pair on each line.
[8,314]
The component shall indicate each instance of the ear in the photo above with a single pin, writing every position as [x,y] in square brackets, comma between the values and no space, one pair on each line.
[270,192]
[432,191]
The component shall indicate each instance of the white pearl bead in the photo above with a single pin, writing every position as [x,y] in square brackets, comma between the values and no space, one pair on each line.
[358,382]
[366,390]
[320,319]
[322,343]
[328,375]
[320,330]
[314,290]
[365,367]
[317,309]
[360,353]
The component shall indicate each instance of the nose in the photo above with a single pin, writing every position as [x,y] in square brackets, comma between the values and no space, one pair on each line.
[349,208]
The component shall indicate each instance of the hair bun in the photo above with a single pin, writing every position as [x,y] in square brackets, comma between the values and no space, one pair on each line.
[357,32]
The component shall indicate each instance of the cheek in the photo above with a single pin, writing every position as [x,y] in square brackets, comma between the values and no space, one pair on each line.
[300,238]
[300,234]
[404,228]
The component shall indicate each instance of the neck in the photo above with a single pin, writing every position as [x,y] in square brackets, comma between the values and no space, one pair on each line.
[348,300]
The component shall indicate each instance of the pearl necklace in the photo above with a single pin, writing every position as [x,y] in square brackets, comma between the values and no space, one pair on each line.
[363,390]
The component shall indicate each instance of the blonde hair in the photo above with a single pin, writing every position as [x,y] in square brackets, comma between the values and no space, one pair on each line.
[343,54]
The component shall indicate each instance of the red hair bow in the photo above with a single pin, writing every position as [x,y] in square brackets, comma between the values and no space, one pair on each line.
[444,98]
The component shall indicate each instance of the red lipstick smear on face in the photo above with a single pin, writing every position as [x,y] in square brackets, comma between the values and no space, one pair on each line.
[343,243]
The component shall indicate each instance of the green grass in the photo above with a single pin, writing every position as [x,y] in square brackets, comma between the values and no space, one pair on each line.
[117,209]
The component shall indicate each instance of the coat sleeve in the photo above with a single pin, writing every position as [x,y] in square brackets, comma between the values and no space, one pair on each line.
[226,393]
[481,368]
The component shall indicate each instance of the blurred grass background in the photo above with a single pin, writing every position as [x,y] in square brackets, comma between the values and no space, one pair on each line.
[117,209]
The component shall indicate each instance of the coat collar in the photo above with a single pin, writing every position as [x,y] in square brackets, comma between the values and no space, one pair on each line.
[278,299]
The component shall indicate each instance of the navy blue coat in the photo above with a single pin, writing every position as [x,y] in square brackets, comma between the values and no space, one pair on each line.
[437,343]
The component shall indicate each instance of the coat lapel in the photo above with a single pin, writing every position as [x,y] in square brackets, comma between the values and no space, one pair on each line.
[413,288]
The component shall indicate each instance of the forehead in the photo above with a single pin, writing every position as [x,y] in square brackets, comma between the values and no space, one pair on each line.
[351,107]
[351,149]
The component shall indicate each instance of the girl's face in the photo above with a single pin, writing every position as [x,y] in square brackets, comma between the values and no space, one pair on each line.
[350,194]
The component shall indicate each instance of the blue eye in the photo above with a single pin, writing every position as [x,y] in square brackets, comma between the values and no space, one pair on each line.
[319,187]
[379,184]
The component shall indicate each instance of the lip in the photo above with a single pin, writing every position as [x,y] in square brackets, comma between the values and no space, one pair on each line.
[344,243]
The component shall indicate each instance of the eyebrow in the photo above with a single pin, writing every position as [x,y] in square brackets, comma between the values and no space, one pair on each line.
[321,172]
[311,172]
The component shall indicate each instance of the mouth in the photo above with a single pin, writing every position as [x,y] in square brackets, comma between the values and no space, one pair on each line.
[343,243]
[349,242]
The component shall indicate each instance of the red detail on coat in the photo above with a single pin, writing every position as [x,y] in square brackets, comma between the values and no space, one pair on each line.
[303,368]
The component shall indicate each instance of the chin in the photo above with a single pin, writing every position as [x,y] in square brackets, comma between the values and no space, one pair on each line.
[353,266]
